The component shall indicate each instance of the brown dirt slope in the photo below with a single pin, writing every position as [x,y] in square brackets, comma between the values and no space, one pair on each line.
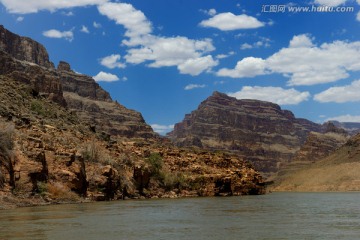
[340,171]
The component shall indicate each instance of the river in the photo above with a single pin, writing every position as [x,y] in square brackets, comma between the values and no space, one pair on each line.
[271,216]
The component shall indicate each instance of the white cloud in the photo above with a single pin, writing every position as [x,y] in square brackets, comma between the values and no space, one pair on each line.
[246,46]
[344,118]
[33,6]
[263,42]
[20,19]
[303,62]
[195,66]
[302,40]
[330,3]
[144,47]
[53,33]
[210,12]
[68,14]
[125,14]
[247,67]
[96,25]
[84,29]
[162,129]
[193,86]
[174,51]
[228,21]
[105,77]
[112,61]
[358,16]
[272,94]
[348,93]
[222,56]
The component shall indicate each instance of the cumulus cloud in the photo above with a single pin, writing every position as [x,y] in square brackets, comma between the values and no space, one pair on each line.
[162,129]
[193,86]
[303,62]
[195,66]
[330,3]
[245,46]
[125,14]
[156,51]
[84,29]
[106,77]
[345,118]
[247,67]
[228,22]
[348,93]
[53,33]
[272,94]
[112,61]
[33,6]
[302,40]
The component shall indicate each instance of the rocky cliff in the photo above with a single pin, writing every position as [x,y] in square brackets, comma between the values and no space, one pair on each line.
[260,132]
[26,60]
[94,106]
[24,48]
[63,139]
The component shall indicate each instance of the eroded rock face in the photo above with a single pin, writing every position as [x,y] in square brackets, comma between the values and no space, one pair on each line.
[351,127]
[44,82]
[27,61]
[259,131]
[23,48]
[64,66]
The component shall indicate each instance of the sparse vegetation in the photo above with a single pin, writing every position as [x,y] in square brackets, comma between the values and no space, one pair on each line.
[91,152]
[37,107]
[169,180]
[6,155]
[156,163]
[59,192]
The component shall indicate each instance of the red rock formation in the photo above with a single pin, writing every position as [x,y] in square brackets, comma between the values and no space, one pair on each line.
[259,131]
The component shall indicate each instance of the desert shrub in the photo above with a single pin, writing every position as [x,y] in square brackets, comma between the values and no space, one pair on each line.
[6,154]
[42,188]
[172,180]
[155,163]
[37,107]
[91,152]
[58,191]
[167,179]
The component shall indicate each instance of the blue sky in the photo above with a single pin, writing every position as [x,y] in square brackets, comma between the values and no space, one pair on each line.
[162,58]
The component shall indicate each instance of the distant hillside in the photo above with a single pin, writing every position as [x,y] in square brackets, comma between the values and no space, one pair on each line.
[351,127]
[338,172]
[260,132]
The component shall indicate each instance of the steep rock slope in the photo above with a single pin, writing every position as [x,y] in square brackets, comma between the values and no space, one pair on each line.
[26,60]
[24,48]
[259,131]
[337,172]
[94,106]
[49,154]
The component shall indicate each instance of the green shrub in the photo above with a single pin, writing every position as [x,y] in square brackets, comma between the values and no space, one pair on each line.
[172,180]
[6,154]
[37,107]
[155,162]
